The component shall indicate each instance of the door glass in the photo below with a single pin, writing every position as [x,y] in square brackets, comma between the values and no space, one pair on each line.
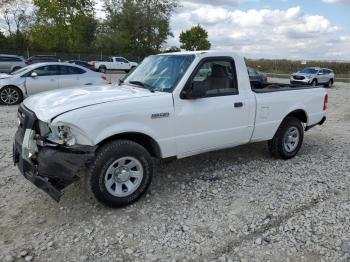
[71,70]
[218,77]
[47,70]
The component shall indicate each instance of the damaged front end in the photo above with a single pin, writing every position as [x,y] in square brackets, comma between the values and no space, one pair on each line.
[49,165]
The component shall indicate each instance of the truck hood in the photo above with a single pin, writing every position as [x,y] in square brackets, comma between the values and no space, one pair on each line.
[48,105]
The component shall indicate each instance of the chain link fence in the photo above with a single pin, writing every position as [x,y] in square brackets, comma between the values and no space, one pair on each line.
[65,56]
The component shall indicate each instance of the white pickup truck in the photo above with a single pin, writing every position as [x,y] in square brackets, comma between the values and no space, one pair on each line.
[114,63]
[172,105]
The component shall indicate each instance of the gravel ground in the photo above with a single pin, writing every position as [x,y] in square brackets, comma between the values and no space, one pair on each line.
[230,205]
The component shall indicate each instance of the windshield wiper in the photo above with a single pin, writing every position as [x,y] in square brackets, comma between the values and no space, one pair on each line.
[142,84]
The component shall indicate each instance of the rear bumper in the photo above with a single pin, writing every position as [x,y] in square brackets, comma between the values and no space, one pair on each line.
[54,167]
[317,124]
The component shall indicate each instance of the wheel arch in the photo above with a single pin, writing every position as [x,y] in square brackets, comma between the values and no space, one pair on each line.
[144,140]
[299,114]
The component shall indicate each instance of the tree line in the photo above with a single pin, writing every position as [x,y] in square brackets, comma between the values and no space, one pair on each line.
[133,28]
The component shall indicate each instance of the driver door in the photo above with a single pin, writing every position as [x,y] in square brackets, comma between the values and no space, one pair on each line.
[46,79]
[221,119]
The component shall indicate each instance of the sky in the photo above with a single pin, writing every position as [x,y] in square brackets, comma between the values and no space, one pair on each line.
[277,29]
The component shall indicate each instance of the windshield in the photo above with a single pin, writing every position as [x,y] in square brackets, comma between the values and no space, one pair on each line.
[160,72]
[309,71]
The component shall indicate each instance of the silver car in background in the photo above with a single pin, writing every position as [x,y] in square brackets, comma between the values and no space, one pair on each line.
[11,63]
[313,76]
[42,77]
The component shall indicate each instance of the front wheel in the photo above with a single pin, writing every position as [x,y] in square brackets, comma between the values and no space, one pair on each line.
[288,139]
[10,95]
[121,173]
[314,83]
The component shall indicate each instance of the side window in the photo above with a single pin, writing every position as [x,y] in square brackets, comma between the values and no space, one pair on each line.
[219,77]
[119,60]
[252,72]
[124,60]
[47,70]
[71,70]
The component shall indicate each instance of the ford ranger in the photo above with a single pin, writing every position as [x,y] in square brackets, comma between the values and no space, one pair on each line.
[171,106]
[114,63]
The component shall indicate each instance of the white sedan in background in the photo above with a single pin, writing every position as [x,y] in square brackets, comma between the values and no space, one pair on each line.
[42,77]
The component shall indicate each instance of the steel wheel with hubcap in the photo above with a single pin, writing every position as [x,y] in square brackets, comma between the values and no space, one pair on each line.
[291,139]
[123,176]
[10,95]
[120,173]
[288,138]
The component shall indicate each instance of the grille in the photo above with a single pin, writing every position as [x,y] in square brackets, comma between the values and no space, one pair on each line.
[299,77]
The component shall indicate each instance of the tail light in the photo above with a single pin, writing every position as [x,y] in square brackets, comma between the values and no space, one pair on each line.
[325,103]
[104,78]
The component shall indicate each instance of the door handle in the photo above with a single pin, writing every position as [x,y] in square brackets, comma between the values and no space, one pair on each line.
[239,104]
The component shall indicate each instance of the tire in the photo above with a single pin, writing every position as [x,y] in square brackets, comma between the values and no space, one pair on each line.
[11,95]
[112,181]
[278,145]
[329,84]
[314,83]
[102,69]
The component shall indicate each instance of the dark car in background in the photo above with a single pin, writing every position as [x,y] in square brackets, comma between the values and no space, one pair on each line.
[42,59]
[83,64]
[257,79]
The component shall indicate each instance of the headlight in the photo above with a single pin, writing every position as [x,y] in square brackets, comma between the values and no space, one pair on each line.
[65,135]
[61,135]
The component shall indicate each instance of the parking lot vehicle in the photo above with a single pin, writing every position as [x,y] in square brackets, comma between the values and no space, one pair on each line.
[257,79]
[313,76]
[42,58]
[41,77]
[166,108]
[83,64]
[114,63]
[11,63]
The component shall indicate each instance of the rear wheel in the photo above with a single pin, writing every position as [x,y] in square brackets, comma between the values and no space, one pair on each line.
[102,69]
[120,173]
[10,95]
[288,139]
[330,83]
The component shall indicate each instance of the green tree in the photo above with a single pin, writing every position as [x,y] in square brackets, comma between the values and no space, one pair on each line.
[64,25]
[195,39]
[137,27]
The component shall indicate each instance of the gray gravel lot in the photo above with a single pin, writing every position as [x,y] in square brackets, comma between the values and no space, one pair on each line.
[230,205]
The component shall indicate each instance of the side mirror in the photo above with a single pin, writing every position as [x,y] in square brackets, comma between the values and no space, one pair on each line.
[320,73]
[195,90]
[33,74]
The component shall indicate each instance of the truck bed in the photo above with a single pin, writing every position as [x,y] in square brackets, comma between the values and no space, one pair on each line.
[276,87]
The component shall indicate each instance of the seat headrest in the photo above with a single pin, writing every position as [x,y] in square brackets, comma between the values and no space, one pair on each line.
[218,71]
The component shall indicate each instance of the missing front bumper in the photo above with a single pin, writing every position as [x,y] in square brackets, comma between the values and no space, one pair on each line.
[55,167]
